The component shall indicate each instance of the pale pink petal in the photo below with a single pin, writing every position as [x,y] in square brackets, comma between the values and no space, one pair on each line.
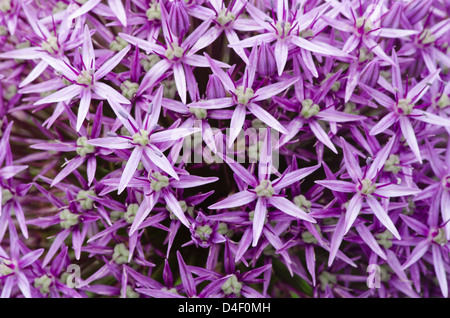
[68,169]
[109,93]
[161,161]
[321,135]
[321,48]
[143,44]
[271,90]
[175,207]
[180,81]
[111,143]
[417,253]
[85,102]
[85,8]
[266,117]
[130,168]
[111,63]
[353,209]
[63,95]
[172,134]
[382,215]
[118,9]
[368,238]
[336,240]
[338,185]
[351,162]
[281,52]
[394,190]
[289,208]
[259,218]
[235,200]
[439,269]
[35,73]
[382,125]
[380,159]
[410,136]
[237,122]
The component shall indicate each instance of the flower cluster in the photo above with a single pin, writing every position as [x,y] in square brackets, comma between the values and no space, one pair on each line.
[224,148]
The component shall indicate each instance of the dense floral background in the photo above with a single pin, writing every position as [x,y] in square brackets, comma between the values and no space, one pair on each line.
[194,148]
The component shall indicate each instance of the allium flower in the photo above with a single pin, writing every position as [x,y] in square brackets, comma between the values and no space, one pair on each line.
[244,97]
[265,192]
[366,189]
[85,79]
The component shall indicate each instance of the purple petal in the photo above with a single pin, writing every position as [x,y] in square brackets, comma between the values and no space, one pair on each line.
[130,168]
[259,218]
[111,63]
[417,253]
[290,208]
[439,269]
[266,117]
[338,185]
[382,215]
[235,200]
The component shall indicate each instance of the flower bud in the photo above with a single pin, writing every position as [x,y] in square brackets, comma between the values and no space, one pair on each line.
[178,19]
[266,64]
[370,74]
[214,88]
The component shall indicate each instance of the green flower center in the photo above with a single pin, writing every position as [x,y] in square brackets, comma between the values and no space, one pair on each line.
[307,237]
[83,148]
[154,11]
[121,254]
[327,279]
[86,202]
[118,44]
[367,187]
[232,286]
[243,95]
[443,101]
[6,196]
[225,16]
[60,6]
[11,91]
[283,28]
[203,232]
[43,284]
[405,105]
[129,89]
[148,62]
[158,181]
[440,237]
[392,164]
[308,33]
[200,113]
[265,189]
[5,5]
[50,45]
[131,212]
[85,78]
[426,37]
[384,239]
[130,293]
[141,137]
[68,219]
[309,109]
[6,267]
[362,21]
[302,202]
[174,51]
